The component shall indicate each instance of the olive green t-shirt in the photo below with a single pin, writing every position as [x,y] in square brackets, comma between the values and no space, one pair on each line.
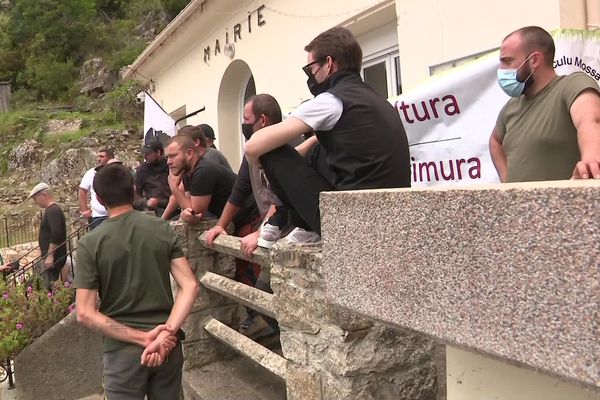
[538,135]
[127,259]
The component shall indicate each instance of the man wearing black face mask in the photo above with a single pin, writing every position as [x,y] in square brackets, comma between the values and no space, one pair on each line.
[151,179]
[361,141]
[259,111]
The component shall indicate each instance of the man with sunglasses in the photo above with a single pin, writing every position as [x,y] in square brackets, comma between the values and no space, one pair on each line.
[550,128]
[360,142]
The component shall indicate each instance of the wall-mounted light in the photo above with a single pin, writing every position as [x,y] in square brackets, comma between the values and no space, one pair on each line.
[229,50]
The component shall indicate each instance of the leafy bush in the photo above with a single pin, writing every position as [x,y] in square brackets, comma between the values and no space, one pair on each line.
[122,100]
[49,77]
[26,312]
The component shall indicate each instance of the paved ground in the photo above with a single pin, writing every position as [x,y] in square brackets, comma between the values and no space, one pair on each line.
[6,394]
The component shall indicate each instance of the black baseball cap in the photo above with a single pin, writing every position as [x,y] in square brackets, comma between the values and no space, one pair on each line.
[208,131]
[152,145]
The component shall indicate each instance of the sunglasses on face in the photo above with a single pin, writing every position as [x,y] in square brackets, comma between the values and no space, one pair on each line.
[307,67]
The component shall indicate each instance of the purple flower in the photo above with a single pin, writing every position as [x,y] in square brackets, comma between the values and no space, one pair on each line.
[50,294]
[29,289]
[67,284]
[19,326]
[5,296]
[71,308]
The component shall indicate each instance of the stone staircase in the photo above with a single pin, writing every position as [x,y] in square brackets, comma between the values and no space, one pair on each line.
[325,352]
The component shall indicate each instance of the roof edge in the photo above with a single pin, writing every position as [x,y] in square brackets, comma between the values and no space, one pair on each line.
[171,27]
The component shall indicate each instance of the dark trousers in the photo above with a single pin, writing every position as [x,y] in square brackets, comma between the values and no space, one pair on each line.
[297,181]
[96,221]
[126,379]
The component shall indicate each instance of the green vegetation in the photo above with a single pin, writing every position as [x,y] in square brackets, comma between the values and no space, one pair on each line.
[117,111]
[27,311]
[43,43]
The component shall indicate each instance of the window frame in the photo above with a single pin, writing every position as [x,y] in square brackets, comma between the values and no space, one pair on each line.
[388,57]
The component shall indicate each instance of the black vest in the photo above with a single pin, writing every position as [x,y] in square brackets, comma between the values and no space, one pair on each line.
[367,148]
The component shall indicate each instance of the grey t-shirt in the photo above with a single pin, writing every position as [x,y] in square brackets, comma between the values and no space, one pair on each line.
[538,135]
[217,157]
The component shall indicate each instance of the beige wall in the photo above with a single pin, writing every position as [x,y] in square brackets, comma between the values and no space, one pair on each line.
[429,32]
[471,376]
[273,52]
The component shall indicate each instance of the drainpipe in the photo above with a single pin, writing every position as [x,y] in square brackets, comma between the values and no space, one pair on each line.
[593,14]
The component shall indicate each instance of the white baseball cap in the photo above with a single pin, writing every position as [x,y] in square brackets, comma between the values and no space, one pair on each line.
[38,188]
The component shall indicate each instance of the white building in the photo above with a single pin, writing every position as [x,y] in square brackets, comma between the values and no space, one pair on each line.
[216,53]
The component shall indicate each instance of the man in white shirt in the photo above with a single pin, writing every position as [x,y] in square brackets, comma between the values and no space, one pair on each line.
[361,141]
[95,214]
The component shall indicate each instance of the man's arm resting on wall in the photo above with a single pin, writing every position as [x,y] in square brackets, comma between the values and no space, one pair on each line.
[229,212]
[186,296]
[170,208]
[585,113]
[498,155]
[198,207]
[249,243]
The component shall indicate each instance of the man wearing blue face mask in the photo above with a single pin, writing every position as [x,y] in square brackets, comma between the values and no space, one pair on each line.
[550,129]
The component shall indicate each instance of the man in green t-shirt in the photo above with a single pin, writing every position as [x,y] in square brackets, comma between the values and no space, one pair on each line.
[550,129]
[127,261]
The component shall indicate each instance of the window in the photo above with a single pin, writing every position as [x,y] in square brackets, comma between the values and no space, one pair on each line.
[382,72]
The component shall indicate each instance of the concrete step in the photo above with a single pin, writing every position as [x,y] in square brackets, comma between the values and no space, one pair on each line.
[234,379]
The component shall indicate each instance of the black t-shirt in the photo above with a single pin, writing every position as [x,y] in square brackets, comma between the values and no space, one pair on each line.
[53,229]
[213,179]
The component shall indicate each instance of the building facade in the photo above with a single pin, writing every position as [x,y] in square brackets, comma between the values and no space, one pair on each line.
[217,53]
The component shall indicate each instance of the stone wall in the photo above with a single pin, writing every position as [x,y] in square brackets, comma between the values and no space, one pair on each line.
[24,250]
[200,348]
[334,354]
[64,363]
[507,271]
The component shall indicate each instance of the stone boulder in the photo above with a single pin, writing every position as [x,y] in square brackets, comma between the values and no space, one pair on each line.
[68,167]
[96,77]
[60,126]
[25,156]
[151,25]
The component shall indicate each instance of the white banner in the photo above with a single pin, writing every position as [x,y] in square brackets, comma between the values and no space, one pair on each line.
[449,118]
[158,124]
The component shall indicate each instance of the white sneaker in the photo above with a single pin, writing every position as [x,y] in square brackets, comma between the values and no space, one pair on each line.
[302,236]
[269,234]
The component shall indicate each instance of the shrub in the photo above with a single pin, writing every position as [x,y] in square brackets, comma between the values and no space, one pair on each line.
[122,100]
[49,77]
[26,312]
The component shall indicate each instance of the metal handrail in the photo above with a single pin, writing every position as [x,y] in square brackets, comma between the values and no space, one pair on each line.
[13,277]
